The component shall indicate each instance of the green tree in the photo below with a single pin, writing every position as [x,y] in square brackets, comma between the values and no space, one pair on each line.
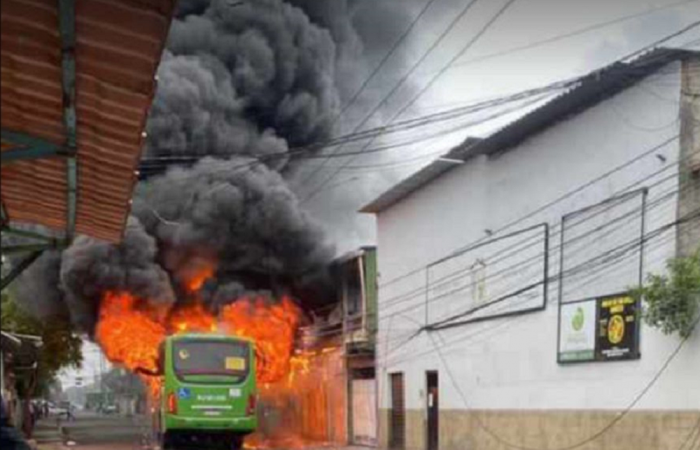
[673,300]
[61,346]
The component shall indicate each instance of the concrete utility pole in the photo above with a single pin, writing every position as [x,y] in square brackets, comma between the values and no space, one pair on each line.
[688,234]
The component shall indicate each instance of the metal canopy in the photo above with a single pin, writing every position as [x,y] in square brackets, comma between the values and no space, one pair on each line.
[78,77]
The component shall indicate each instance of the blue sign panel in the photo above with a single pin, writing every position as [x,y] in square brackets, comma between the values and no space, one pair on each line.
[183,393]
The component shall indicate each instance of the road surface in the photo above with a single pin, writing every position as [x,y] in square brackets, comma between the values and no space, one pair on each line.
[105,432]
[95,432]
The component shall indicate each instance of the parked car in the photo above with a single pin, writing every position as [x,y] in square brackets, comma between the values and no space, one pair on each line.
[110,409]
[57,410]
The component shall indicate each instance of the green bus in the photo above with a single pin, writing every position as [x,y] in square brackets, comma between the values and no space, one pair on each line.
[208,394]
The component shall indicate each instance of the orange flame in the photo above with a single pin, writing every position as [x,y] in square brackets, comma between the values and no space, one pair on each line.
[197,280]
[272,327]
[130,332]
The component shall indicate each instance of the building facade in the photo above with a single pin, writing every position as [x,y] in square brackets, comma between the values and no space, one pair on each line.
[504,268]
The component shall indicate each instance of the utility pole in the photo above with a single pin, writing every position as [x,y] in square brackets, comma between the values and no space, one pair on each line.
[102,376]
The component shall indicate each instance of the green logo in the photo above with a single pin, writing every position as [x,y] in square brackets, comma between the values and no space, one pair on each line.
[578,319]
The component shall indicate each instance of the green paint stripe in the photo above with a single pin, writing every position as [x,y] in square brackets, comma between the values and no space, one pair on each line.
[579,355]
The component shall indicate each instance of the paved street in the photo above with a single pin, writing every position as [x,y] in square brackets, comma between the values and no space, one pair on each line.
[97,432]
[93,432]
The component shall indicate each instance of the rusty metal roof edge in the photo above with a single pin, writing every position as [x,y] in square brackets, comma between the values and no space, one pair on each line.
[139,154]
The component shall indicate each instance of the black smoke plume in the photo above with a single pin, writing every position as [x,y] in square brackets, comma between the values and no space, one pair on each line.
[238,80]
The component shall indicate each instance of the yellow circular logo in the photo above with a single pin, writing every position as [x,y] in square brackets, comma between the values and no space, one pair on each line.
[616,329]
[184,354]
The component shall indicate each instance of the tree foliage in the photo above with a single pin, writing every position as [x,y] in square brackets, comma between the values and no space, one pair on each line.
[61,346]
[673,300]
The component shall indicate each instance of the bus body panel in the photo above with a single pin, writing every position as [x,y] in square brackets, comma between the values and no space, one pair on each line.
[209,387]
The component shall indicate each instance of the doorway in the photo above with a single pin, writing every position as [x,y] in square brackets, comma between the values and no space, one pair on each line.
[397,428]
[433,409]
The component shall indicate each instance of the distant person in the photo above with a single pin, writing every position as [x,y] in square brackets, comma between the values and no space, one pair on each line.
[10,438]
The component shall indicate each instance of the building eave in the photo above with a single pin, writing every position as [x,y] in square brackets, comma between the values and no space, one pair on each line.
[589,91]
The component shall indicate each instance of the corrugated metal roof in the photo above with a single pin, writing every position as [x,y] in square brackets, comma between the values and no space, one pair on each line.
[118,48]
[589,91]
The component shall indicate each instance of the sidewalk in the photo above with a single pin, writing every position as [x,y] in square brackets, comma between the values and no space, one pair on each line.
[47,435]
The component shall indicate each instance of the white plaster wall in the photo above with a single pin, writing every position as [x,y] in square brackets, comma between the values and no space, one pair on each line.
[511,363]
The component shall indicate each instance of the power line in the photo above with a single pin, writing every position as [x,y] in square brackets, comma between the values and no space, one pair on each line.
[646,208]
[446,279]
[663,40]
[404,162]
[547,205]
[618,417]
[404,78]
[413,123]
[305,152]
[153,163]
[609,257]
[518,247]
[573,33]
[384,60]
[468,336]
[620,252]
[519,265]
[433,80]
[464,49]
[442,71]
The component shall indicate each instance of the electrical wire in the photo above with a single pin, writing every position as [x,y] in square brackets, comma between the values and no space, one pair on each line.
[306,152]
[544,207]
[648,207]
[618,417]
[405,77]
[570,34]
[467,337]
[430,83]
[442,71]
[518,246]
[504,297]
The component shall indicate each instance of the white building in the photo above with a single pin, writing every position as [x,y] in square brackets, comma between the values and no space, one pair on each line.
[480,323]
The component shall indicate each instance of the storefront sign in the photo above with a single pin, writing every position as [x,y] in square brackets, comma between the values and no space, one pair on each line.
[599,329]
[578,331]
[617,328]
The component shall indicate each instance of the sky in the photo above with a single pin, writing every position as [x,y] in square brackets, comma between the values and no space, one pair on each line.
[480,75]
[476,75]
[93,365]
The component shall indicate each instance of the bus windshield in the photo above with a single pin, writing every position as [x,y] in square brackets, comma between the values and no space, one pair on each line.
[211,358]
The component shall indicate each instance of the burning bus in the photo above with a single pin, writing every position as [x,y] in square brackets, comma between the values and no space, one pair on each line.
[208,392]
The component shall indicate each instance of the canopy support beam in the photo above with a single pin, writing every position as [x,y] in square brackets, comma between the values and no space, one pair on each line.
[26,234]
[66,19]
[19,268]
[27,147]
